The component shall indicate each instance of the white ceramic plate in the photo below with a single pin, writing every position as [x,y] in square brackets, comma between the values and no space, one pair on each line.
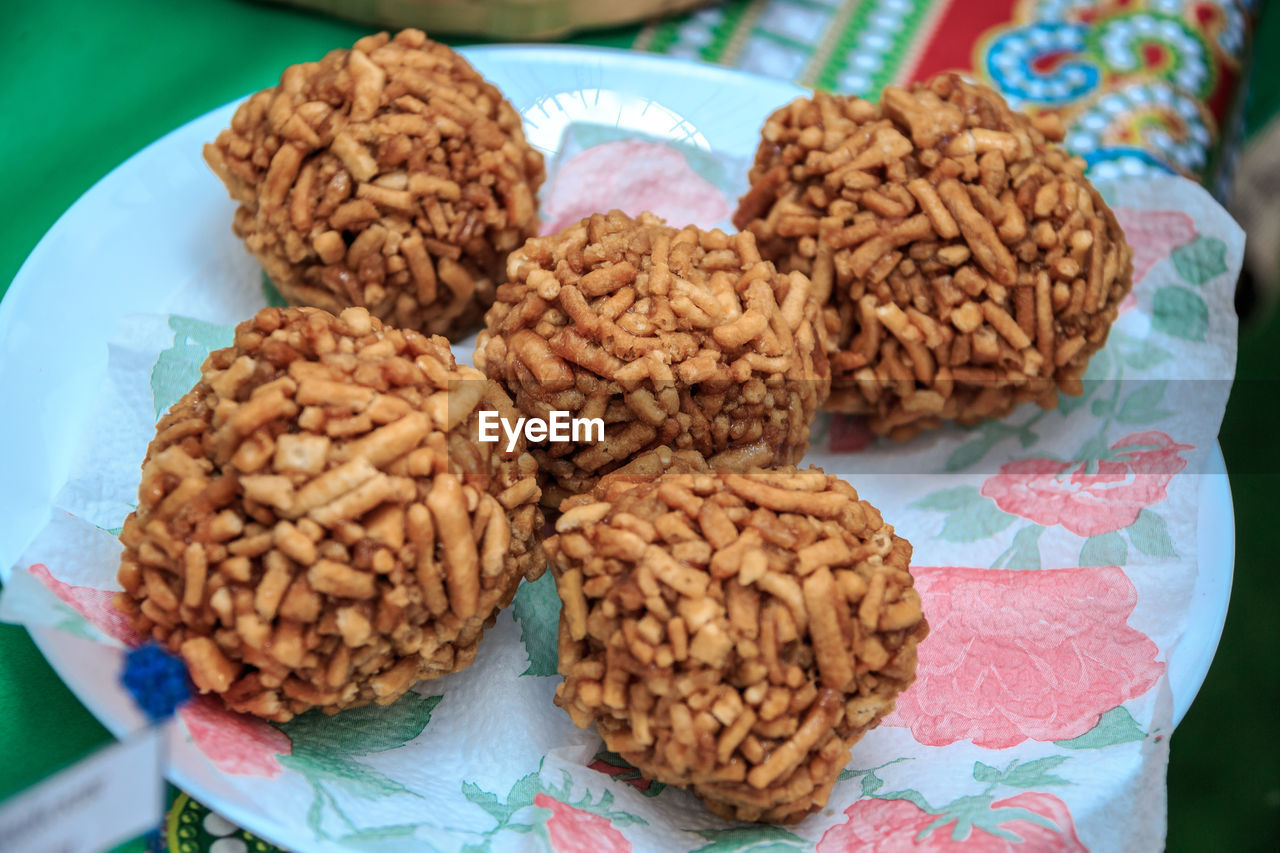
[156,231]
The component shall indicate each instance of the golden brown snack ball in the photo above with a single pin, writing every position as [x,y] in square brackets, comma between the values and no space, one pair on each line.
[677,337]
[734,634]
[969,263]
[316,524]
[390,176]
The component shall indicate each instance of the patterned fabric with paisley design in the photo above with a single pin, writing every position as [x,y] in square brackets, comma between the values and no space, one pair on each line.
[1144,86]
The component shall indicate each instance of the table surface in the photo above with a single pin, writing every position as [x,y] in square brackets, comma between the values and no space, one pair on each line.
[91,83]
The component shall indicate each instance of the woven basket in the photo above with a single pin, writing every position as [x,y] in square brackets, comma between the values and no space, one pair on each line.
[498,19]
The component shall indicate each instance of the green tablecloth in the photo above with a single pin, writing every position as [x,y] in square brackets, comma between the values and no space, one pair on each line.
[87,84]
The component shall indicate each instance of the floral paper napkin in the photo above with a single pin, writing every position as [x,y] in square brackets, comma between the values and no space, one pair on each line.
[1055,551]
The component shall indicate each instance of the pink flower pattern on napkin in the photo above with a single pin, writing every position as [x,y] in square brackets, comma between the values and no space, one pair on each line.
[574,830]
[632,176]
[1018,655]
[900,826]
[1153,234]
[1050,492]
[93,604]
[236,743]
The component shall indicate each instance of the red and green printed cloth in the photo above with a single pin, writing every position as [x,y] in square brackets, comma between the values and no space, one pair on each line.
[1145,86]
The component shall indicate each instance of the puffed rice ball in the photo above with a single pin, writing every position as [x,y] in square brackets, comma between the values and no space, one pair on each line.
[317,526]
[967,263]
[390,176]
[677,337]
[735,634]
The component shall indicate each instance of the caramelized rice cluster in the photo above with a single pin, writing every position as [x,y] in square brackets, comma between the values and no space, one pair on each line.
[968,263]
[732,633]
[390,176]
[684,338]
[316,526]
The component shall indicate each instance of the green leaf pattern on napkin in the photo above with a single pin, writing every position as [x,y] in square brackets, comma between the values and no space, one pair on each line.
[1105,549]
[969,516]
[1150,535]
[1201,260]
[526,804]
[612,764]
[1180,313]
[760,838]
[178,367]
[325,749]
[1030,774]
[1024,553]
[1116,726]
[537,609]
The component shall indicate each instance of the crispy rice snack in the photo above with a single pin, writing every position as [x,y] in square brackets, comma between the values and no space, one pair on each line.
[316,526]
[673,337]
[732,633]
[969,264]
[390,176]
